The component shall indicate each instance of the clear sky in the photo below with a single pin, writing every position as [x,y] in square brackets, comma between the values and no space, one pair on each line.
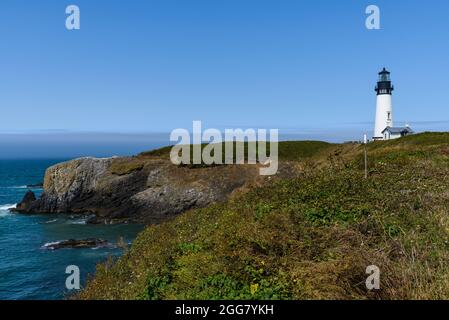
[153,66]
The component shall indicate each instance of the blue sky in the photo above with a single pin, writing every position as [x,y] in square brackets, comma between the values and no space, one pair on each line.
[153,66]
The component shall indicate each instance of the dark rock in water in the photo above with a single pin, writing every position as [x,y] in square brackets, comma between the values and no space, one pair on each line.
[76,244]
[37,185]
[29,197]
[26,202]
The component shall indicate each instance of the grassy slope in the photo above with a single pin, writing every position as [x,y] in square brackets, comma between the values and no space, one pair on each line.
[287,149]
[291,151]
[307,237]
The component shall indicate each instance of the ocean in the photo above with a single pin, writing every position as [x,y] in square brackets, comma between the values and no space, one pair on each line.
[28,270]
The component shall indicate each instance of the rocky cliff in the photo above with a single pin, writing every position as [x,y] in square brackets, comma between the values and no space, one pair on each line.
[143,188]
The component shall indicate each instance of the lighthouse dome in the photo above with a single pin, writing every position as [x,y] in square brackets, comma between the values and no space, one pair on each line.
[384,75]
[384,85]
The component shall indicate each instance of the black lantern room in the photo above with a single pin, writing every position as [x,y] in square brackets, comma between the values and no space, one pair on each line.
[384,85]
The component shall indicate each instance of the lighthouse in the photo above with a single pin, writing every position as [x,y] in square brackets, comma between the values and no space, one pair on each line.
[383,127]
[384,107]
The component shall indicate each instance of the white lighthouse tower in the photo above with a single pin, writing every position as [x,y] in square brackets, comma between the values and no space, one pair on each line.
[384,107]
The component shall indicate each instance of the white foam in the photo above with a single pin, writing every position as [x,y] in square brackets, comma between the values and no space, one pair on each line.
[80,221]
[49,245]
[104,246]
[6,207]
[50,221]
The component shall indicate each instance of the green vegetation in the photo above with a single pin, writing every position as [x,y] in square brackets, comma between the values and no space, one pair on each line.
[123,166]
[307,237]
[298,150]
[288,150]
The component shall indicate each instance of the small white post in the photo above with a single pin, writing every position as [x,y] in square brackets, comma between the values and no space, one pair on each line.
[365,141]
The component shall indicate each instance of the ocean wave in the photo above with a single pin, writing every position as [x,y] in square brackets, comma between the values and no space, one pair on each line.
[107,246]
[78,221]
[50,221]
[23,187]
[6,207]
[51,245]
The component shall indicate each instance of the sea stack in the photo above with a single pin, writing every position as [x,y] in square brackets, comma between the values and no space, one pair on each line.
[27,200]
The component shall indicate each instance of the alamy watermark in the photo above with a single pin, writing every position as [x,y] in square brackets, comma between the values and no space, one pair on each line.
[72,282]
[372,22]
[212,153]
[73,21]
[373,280]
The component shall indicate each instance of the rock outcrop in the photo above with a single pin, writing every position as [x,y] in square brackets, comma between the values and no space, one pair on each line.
[76,244]
[144,188]
[26,202]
